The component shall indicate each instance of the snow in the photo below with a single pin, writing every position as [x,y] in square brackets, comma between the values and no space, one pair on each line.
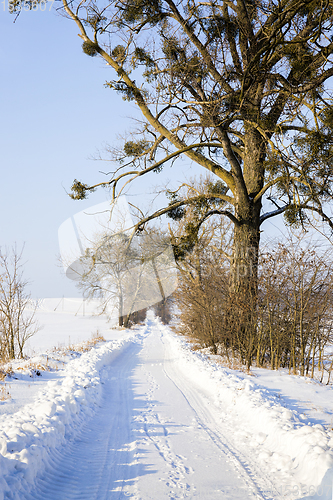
[290,445]
[142,416]
[66,321]
[312,400]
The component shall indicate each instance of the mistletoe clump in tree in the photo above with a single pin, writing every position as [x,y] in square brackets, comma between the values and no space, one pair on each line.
[239,87]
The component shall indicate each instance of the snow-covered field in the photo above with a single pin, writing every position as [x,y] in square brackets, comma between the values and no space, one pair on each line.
[142,416]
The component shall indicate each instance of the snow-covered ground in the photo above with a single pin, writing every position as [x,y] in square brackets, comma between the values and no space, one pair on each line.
[142,416]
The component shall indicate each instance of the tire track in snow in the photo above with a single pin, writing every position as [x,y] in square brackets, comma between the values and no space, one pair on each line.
[189,466]
[177,470]
[205,419]
[151,430]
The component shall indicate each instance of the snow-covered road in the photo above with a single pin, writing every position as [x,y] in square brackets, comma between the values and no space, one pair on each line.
[142,416]
[152,436]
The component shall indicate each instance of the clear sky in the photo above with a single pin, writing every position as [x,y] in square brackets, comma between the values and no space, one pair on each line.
[55,114]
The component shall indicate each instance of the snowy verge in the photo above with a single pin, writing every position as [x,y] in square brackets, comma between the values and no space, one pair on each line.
[298,457]
[27,436]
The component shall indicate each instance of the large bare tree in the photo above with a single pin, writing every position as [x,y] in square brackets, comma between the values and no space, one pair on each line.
[239,87]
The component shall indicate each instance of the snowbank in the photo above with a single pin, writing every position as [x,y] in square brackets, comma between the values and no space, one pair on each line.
[27,436]
[299,455]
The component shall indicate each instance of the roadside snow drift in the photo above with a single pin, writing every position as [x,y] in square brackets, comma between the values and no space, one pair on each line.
[27,436]
[298,456]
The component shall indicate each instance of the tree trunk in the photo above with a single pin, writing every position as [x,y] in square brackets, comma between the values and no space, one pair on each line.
[120,307]
[244,263]
[244,283]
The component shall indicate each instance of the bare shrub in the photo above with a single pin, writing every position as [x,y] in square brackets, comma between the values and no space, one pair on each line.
[201,300]
[5,371]
[17,311]
[4,392]
[202,294]
[289,323]
[295,306]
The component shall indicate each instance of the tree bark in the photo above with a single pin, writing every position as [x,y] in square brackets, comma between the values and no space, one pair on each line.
[244,262]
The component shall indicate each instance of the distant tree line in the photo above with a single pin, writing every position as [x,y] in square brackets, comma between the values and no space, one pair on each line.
[128,274]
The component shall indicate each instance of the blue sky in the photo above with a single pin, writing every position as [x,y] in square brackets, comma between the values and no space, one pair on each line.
[55,114]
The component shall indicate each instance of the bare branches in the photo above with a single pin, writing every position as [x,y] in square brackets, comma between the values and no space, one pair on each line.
[17,323]
[80,188]
[214,75]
